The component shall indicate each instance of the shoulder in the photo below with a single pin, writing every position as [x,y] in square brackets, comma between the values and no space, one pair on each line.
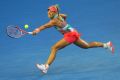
[63,15]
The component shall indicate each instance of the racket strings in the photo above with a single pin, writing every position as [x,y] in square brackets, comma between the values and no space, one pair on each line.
[14,32]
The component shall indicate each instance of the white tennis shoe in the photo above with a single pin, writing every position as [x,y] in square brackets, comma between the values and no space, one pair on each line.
[43,67]
[109,46]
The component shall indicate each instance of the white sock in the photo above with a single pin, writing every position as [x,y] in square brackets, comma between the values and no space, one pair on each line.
[47,66]
[105,45]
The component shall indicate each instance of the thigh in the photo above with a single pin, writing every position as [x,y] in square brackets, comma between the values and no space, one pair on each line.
[61,44]
[81,43]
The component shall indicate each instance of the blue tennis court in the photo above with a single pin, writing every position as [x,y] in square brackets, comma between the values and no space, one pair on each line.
[96,20]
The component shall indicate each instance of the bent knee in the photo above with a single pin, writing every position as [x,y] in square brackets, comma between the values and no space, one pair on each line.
[54,48]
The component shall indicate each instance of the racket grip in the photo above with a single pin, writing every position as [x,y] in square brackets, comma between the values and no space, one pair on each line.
[30,32]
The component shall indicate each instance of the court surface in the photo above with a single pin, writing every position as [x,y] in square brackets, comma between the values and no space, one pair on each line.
[97,20]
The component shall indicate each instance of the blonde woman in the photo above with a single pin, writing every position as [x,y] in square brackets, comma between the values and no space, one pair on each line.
[71,36]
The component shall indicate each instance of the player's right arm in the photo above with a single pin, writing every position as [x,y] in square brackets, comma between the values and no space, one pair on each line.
[47,25]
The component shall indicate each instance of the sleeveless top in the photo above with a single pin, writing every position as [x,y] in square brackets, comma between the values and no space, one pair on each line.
[65,27]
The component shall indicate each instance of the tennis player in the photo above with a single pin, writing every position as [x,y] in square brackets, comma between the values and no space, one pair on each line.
[71,36]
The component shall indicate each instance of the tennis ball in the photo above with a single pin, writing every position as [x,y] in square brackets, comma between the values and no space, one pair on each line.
[26,26]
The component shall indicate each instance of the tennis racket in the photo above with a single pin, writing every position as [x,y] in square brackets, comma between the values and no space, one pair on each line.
[16,32]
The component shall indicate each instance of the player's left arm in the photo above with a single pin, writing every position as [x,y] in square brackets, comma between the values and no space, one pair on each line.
[63,15]
[50,24]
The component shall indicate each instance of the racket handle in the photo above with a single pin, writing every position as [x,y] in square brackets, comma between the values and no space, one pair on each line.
[30,32]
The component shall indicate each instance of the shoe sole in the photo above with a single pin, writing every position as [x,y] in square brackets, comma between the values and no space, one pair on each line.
[111,45]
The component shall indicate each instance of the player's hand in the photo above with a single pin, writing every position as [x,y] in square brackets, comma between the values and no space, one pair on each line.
[35,32]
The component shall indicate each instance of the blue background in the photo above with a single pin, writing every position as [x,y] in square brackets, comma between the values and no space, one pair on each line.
[97,20]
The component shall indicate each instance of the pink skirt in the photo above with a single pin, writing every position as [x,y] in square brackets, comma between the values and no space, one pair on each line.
[71,37]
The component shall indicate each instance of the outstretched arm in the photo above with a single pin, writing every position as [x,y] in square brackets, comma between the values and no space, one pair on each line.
[47,25]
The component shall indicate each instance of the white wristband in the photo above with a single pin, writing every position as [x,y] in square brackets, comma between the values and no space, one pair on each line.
[30,32]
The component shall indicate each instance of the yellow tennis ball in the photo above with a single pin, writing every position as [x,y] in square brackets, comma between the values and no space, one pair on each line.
[26,26]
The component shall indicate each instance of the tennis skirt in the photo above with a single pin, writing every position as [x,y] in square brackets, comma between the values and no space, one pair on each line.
[72,36]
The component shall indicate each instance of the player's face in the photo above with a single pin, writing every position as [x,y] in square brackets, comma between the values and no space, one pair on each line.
[51,14]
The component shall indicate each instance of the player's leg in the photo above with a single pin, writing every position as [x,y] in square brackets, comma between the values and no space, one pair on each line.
[59,45]
[83,44]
